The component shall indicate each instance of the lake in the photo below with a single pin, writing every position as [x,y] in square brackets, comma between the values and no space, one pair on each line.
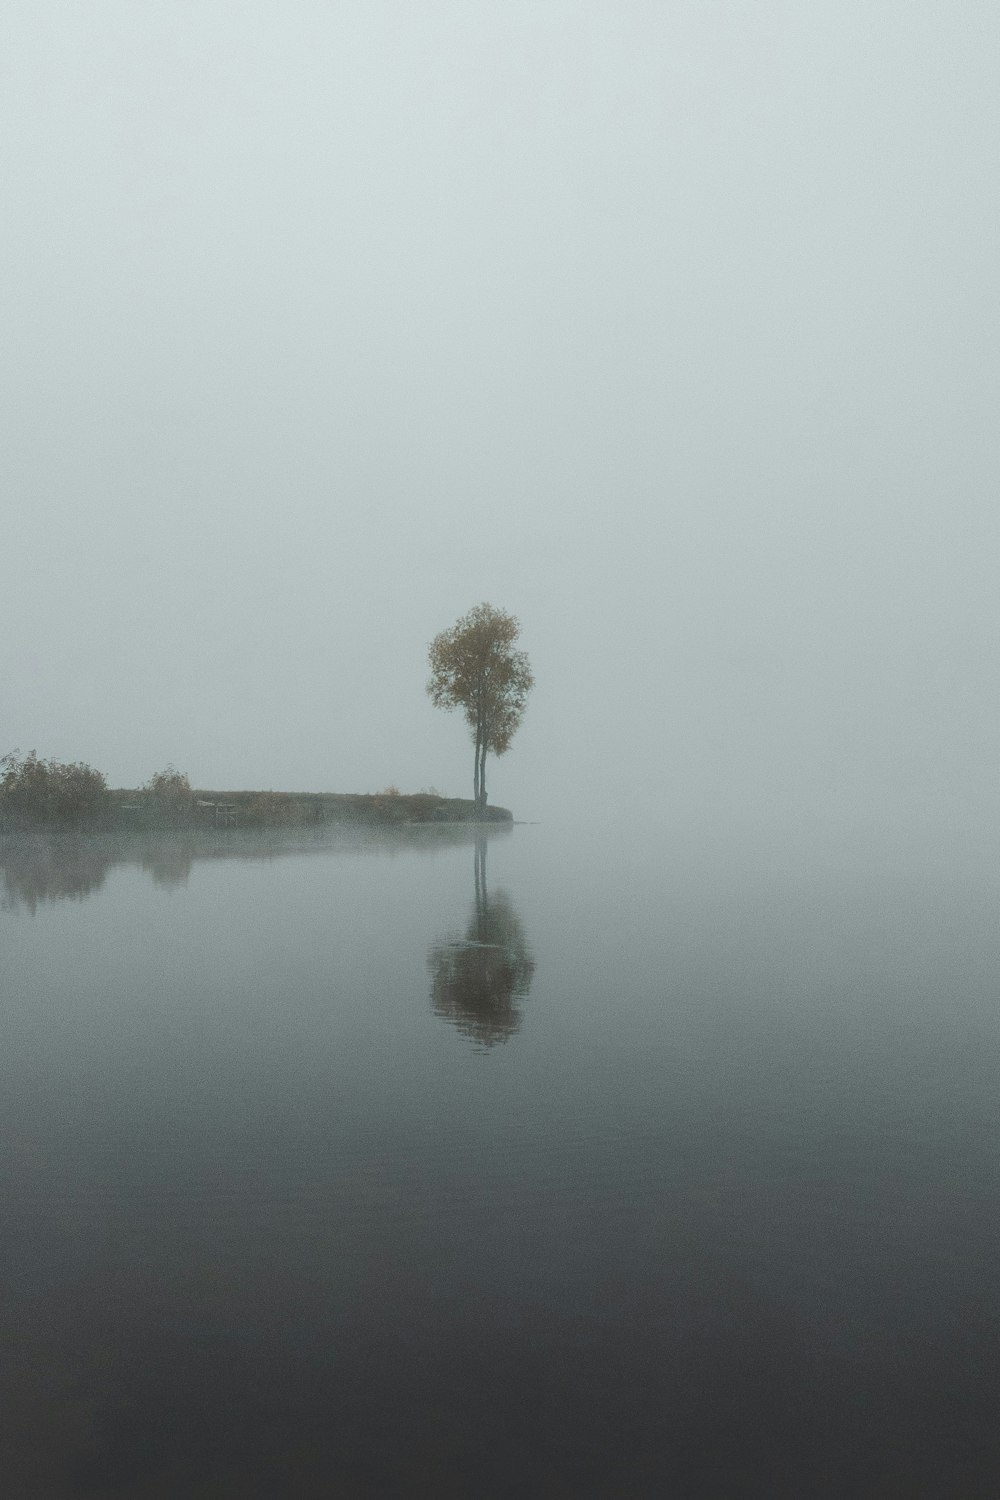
[577,1161]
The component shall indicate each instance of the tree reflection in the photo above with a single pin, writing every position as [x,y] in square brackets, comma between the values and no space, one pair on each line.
[169,865]
[39,870]
[476,981]
[35,870]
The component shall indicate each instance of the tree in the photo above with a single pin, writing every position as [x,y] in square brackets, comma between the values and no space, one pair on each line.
[475,667]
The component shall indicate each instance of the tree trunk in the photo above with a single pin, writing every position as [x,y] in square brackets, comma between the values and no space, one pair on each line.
[479,777]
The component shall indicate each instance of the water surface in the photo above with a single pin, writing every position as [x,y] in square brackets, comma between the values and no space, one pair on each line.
[576,1163]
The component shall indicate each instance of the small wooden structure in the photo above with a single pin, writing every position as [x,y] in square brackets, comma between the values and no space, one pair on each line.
[223,813]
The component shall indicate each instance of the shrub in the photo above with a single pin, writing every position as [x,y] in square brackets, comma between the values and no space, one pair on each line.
[269,810]
[50,791]
[168,795]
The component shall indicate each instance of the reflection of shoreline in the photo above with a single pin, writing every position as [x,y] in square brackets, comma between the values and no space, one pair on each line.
[38,868]
[477,980]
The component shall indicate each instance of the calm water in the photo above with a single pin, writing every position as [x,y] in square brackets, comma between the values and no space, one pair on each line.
[581,1164]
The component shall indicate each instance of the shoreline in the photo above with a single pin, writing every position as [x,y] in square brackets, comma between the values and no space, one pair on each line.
[126,810]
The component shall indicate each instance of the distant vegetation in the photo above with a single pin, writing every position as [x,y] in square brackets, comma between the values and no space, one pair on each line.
[474,667]
[168,797]
[38,793]
[34,791]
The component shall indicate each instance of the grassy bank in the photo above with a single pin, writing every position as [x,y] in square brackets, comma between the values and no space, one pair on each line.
[36,793]
[255,809]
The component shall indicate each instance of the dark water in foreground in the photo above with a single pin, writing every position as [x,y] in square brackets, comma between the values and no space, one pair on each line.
[588,1166]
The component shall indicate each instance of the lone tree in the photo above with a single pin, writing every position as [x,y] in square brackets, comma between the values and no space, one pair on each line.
[475,667]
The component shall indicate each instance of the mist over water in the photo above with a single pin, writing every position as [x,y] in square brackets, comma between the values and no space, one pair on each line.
[551,1162]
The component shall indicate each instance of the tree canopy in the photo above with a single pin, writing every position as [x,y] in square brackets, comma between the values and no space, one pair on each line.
[475,667]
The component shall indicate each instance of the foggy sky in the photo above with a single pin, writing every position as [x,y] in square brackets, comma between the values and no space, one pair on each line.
[671,327]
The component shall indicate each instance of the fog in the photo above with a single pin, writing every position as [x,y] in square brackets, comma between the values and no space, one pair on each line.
[670,327]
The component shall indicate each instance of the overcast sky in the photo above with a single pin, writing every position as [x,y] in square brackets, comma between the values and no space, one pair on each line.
[671,327]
